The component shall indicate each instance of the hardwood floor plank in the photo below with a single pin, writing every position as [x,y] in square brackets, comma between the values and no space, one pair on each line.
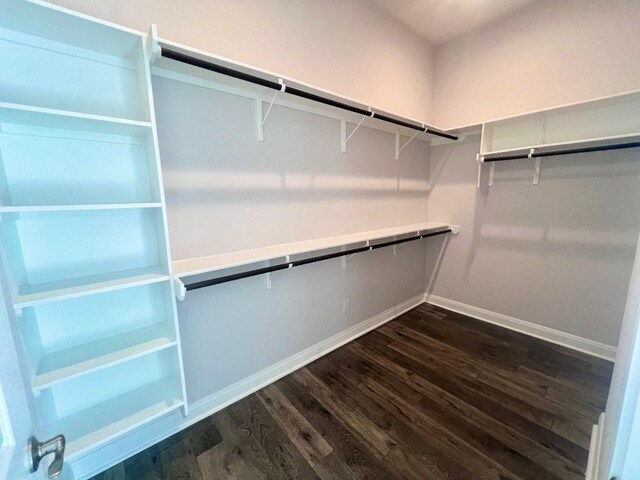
[356,421]
[301,433]
[358,456]
[437,384]
[268,441]
[179,462]
[432,395]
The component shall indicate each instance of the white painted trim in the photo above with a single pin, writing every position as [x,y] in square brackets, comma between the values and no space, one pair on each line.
[595,447]
[568,340]
[211,404]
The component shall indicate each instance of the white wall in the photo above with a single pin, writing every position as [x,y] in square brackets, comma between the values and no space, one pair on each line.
[345,46]
[226,191]
[558,254]
[549,53]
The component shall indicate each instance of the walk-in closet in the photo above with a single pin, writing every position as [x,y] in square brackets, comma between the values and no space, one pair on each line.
[319,240]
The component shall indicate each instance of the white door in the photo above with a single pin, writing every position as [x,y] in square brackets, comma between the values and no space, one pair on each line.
[16,406]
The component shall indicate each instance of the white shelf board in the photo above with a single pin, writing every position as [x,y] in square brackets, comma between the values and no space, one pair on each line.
[42,293]
[67,120]
[98,425]
[80,360]
[36,17]
[195,266]
[565,107]
[182,72]
[62,208]
[590,142]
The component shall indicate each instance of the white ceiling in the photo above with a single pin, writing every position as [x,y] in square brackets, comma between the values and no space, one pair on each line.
[441,20]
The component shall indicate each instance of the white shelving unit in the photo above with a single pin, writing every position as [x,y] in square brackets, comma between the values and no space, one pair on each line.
[83,225]
[186,73]
[212,263]
[570,126]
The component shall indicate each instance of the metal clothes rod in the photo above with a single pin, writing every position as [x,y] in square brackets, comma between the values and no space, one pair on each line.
[247,77]
[571,151]
[306,261]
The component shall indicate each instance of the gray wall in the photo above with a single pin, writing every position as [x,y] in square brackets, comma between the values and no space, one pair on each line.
[558,254]
[226,191]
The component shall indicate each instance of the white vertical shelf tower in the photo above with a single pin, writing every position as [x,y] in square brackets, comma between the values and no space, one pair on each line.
[83,225]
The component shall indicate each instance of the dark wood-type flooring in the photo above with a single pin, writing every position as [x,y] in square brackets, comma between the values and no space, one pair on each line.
[431,395]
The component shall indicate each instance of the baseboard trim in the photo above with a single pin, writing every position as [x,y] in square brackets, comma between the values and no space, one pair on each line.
[164,427]
[219,400]
[568,340]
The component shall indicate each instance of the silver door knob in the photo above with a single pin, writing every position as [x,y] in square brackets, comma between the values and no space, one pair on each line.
[39,450]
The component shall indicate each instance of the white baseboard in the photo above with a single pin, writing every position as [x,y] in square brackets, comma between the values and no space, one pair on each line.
[130,444]
[574,342]
[217,401]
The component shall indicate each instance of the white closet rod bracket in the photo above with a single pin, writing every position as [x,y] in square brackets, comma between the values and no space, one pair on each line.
[346,258]
[269,276]
[400,148]
[260,119]
[480,160]
[181,289]
[344,139]
[537,163]
[455,229]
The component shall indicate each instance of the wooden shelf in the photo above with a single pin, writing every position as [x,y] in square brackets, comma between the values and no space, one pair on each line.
[62,208]
[91,428]
[42,293]
[70,120]
[195,266]
[80,360]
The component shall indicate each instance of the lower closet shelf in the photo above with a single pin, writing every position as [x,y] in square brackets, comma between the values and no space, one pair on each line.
[80,360]
[42,293]
[96,426]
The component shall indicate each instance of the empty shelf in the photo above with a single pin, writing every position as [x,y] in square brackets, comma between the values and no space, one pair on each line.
[61,208]
[67,120]
[587,143]
[50,292]
[92,428]
[195,266]
[83,359]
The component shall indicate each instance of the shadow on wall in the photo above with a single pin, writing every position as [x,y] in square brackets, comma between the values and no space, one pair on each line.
[227,191]
[558,253]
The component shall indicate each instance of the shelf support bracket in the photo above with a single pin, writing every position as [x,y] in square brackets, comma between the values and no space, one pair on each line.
[344,139]
[400,148]
[492,170]
[181,290]
[260,119]
[537,163]
[480,161]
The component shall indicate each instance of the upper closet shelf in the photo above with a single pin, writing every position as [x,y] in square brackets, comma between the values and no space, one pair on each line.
[604,122]
[183,63]
[196,266]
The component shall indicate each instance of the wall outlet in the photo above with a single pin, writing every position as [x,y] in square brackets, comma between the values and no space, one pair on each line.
[346,306]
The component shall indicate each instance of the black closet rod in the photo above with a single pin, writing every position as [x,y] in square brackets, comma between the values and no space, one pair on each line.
[600,148]
[247,77]
[297,263]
